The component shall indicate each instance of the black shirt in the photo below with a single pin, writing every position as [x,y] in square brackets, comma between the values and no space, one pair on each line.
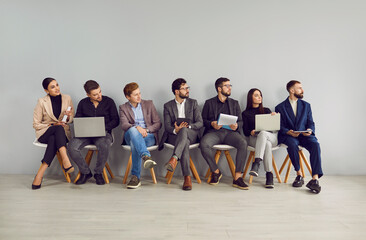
[106,108]
[223,107]
[249,119]
[56,105]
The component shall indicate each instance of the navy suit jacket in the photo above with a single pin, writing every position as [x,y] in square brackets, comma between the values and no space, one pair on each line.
[302,121]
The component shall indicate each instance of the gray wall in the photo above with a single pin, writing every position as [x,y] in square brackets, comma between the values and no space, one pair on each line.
[260,44]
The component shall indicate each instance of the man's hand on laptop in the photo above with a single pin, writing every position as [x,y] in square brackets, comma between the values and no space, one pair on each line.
[292,133]
[142,131]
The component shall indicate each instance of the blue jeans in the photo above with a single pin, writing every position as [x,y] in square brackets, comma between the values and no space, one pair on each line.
[138,146]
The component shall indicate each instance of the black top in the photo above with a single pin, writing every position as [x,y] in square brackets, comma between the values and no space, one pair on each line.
[249,119]
[56,105]
[106,108]
[223,107]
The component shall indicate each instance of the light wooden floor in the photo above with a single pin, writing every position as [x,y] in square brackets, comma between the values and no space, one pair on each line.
[60,210]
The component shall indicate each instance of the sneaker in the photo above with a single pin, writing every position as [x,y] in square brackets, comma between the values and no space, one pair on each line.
[148,162]
[314,186]
[134,182]
[239,183]
[99,179]
[269,180]
[299,181]
[215,178]
[254,170]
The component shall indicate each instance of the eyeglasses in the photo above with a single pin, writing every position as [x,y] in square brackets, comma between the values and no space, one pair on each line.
[186,88]
[228,85]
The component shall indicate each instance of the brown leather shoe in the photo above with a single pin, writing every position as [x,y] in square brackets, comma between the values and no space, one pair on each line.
[171,165]
[187,185]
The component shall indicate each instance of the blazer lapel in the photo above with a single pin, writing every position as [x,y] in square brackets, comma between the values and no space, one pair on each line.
[130,113]
[175,109]
[48,108]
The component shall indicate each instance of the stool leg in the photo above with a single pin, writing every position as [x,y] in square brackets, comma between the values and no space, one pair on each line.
[276,170]
[288,171]
[251,155]
[152,172]
[284,163]
[194,170]
[169,176]
[109,170]
[217,157]
[128,168]
[301,166]
[105,176]
[230,162]
[306,162]
[251,177]
[67,175]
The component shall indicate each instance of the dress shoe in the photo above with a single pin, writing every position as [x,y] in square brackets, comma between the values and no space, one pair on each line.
[83,178]
[187,185]
[99,179]
[299,181]
[314,186]
[171,165]
[35,187]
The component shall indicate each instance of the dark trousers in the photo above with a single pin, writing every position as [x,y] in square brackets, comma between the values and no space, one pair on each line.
[181,141]
[312,145]
[224,136]
[55,138]
[103,145]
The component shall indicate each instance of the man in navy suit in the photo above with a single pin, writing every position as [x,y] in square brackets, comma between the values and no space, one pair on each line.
[296,116]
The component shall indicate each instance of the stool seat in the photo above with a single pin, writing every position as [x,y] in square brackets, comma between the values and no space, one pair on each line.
[169,175]
[44,145]
[151,148]
[222,147]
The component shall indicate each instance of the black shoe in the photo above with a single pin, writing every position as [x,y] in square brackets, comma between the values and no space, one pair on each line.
[99,179]
[215,178]
[134,182]
[35,187]
[299,181]
[254,170]
[269,180]
[69,169]
[239,183]
[83,178]
[314,186]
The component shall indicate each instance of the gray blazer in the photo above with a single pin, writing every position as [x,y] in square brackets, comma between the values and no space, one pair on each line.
[192,112]
[151,117]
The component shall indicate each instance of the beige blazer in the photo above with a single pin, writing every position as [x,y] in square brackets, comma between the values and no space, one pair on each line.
[43,114]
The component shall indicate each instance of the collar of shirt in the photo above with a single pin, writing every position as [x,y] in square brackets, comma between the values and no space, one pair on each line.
[293,104]
[181,107]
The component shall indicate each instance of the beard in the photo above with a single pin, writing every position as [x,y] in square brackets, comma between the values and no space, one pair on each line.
[299,96]
[183,96]
[226,94]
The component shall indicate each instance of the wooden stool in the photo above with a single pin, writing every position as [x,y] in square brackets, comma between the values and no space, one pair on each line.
[91,149]
[251,159]
[169,175]
[67,175]
[301,159]
[129,164]
[219,148]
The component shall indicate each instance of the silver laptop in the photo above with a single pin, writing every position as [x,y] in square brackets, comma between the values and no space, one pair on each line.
[89,127]
[267,122]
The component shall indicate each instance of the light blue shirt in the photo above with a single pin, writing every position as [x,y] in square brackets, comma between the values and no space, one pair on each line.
[139,116]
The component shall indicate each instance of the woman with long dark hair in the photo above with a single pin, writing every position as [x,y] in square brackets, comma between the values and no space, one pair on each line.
[50,128]
[264,140]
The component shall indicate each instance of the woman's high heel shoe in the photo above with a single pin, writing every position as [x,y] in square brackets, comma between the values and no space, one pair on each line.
[69,169]
[35,187]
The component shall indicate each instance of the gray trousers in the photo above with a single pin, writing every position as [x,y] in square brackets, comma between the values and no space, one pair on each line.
[181,141]
[263,144]
[224,136]
[102,143]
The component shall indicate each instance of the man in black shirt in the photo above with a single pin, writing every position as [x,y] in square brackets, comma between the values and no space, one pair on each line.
[223,134]
[95,105]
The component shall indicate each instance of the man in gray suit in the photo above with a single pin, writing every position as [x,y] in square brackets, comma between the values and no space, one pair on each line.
[182,122]
[140,123]
[223,134]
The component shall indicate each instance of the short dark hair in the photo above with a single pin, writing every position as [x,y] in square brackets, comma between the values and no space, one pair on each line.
[219,82]
[290,84]
[90,85]
[177,84]
[47,82]
[129,88]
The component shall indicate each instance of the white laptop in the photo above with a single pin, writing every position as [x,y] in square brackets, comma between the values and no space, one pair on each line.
[267,122]
[89,127]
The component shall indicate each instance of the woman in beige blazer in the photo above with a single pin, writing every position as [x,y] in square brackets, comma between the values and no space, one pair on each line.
[50,129]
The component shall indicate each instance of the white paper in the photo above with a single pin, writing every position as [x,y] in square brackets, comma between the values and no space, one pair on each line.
[225,119]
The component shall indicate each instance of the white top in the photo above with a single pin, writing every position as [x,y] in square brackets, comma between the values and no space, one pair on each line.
[293,105]
[181,112]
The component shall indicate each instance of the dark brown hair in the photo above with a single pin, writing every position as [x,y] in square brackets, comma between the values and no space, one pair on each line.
[219,82]
[250,100]
[129,88]
[47,82]
[90,85]
[290,84]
